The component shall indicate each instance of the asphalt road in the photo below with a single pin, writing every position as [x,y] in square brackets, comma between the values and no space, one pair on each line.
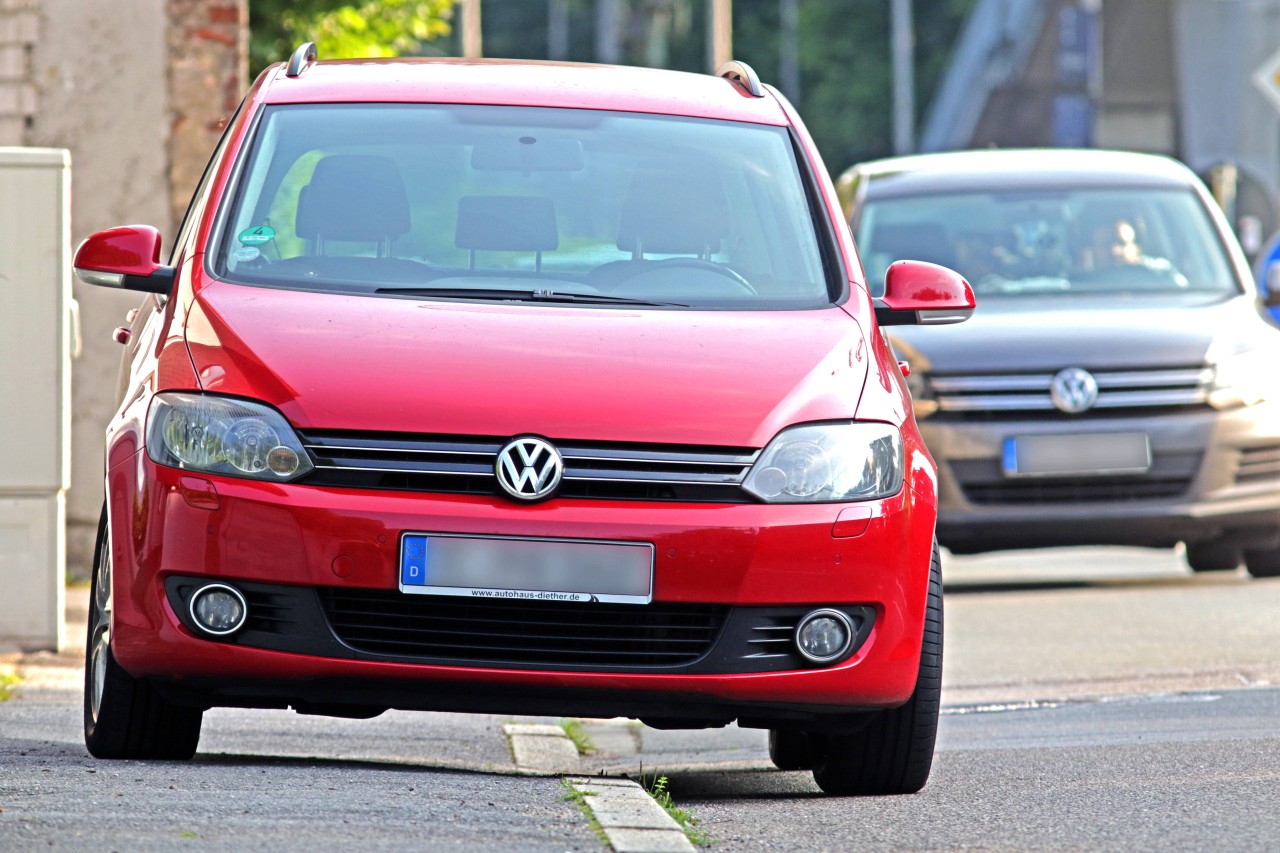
[1196,771]
[1101,699]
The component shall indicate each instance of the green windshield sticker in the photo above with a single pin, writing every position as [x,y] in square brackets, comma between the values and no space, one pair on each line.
[257,236]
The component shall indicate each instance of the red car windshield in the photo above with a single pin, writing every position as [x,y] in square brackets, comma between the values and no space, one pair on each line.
[485,202]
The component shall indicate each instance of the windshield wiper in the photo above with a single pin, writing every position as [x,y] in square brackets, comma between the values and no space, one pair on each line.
[513,295]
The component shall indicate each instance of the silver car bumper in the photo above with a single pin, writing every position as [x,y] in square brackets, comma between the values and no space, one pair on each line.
[1212,475]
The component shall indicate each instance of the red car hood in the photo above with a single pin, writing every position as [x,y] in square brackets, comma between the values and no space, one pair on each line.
[333,361]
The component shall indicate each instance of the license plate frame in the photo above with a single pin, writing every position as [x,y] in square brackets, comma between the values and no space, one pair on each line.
[526,568]
[1077,455]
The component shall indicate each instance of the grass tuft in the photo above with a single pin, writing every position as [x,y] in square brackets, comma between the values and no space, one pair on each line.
[581,740]
[9,681]
[579,800]
[656,787]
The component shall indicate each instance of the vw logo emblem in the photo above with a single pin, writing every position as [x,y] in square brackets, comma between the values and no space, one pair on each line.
[528,468]
[1074,390]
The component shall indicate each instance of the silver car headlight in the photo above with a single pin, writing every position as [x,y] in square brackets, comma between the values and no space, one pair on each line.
[824,463]
[219,435]
[1243,378]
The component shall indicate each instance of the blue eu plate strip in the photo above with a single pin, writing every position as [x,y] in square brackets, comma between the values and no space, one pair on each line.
[413,562]
[1010,456]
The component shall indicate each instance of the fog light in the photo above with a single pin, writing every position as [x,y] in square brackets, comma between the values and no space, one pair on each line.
[824,635]
[218,609]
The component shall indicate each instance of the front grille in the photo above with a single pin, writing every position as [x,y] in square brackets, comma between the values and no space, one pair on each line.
[269,611]
[976,396]
[1258,463]
[559,634]
[1056,491]
[983,482]
[465,465]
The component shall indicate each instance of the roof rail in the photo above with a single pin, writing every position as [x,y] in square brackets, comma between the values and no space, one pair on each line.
[742,74]
[305,53]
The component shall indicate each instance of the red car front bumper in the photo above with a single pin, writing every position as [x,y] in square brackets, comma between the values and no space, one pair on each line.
[165,523]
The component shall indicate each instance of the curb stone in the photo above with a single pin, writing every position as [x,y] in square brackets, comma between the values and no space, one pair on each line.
[631,819]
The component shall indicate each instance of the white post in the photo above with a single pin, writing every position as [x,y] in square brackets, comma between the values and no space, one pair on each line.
[721,41]
[35,384]
[904,84]
[472,44]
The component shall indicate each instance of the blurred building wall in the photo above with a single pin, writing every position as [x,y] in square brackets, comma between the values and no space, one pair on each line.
[137,90]
[1162,76]
[1225,119]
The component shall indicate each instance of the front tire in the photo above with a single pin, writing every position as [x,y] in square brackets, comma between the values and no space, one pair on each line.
[1263,563]
[1212,557]
[790,749]
[893,752]
[125,717]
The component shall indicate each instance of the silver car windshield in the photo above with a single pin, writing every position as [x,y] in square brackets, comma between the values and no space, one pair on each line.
[518,203]
[1024,242]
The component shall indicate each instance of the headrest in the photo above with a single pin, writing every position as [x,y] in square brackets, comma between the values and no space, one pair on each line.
[669,211]
[506,223]
[354,197]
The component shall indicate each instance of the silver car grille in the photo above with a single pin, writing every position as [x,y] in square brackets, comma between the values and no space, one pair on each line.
[465,465]
[1029,392]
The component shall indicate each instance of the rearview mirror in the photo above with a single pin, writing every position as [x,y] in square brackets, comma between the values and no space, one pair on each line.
[527,154]
[919,293]
[127,257]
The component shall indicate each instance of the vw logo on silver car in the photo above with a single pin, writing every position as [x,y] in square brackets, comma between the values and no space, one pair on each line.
[528,468]
[1074,390]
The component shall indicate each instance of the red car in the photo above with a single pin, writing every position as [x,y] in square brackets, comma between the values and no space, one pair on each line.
[519,388]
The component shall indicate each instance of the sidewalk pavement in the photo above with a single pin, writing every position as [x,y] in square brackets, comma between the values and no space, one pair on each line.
[62,670]
[532,746]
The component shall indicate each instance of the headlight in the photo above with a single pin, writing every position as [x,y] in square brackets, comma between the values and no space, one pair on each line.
[820,463]
[1243,378]
[217,435]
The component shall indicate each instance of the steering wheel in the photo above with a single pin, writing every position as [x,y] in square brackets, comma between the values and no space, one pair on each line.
[698,263]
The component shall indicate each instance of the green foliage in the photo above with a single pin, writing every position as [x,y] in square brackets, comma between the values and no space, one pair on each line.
[8,681]
[576,733]
[846,73]
[371,28]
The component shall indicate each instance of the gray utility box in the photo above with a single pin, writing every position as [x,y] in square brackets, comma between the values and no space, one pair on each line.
[36,339]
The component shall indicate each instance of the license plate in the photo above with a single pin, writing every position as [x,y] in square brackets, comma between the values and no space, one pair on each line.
[1088,454]
[519,569]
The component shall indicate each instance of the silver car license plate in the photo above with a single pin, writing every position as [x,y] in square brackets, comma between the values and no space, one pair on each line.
[1096,454]
[526,569]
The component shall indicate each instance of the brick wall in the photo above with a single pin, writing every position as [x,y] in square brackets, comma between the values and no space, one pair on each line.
[19,32]
[209,57]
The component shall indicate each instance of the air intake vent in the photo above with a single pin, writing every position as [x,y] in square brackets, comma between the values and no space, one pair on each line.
[1258,463]
[504,633]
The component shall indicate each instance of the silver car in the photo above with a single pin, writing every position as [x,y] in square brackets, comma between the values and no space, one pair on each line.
[1118,381]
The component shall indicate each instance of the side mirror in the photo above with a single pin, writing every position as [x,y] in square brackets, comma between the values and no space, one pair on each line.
[918,293]
[127,257]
